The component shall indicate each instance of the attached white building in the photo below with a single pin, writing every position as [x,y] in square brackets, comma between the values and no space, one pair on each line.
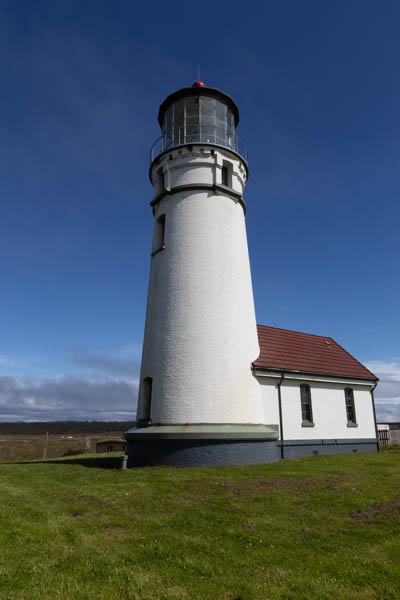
[213,388]
[320,395]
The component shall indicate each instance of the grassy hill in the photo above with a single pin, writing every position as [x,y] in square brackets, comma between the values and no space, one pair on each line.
[324,527]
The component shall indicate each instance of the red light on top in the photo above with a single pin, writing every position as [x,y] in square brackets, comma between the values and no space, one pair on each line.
[199,84]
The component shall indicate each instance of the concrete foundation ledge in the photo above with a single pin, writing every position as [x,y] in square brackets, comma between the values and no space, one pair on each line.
[204,431]
[319,442]
[304,448]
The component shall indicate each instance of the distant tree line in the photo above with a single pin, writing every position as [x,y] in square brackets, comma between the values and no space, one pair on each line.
[61,427]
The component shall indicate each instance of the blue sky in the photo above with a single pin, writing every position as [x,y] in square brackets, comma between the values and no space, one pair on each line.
[318,89]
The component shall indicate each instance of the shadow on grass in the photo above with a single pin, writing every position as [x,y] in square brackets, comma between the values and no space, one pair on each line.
[98,462]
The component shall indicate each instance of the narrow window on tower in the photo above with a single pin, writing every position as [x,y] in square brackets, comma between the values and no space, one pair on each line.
[226,174]
[350,407]
[306,408]
[159,235]
[145,409]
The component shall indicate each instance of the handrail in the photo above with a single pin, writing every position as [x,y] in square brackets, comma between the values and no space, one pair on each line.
[233,142]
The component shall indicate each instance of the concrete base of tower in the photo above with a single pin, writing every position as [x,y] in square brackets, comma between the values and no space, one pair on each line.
[202,445]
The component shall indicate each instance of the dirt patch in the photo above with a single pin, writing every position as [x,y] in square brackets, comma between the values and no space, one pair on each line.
[251,528]
[303,497]
[83,499]
[74,517]
[267,484]
[378,510]
[304,487]
[192,500]
[305,530]
[114,531]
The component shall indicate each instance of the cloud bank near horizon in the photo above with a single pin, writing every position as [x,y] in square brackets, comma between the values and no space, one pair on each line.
[108,391]
[387,394]
[104,390]
[65,399]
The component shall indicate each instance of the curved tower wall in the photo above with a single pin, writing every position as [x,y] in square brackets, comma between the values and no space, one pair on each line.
[199,403]
[200,336]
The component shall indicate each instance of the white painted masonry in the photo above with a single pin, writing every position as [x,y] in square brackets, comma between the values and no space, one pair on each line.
[196,164]
[329,412]
[200,337]
[328,406]
[269,392]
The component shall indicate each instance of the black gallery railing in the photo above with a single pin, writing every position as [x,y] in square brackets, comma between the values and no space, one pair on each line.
[198,135]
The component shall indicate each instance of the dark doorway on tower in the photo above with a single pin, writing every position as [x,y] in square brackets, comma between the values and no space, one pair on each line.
[145,409]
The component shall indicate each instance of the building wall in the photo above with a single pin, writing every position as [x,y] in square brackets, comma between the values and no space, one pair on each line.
[329,412]
[269,392]
[328,406]
[110,446]
[394,436]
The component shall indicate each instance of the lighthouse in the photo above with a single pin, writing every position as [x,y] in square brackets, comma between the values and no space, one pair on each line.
[199,402]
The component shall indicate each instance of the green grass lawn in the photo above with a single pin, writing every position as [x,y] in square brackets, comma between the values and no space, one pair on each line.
[321,527]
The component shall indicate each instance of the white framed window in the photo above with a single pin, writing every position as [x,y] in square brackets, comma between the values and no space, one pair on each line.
[226,173]
[306,406]
[350,407]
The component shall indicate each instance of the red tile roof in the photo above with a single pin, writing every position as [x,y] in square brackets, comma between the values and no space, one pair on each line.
[306,353]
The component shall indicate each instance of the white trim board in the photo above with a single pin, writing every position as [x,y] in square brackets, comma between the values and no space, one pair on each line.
[316,378]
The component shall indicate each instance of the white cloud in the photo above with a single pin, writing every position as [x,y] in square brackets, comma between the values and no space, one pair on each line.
[387,393]
[105,389]
[18,363]
[67,398]
[385,370]
[131,350]
[108,366]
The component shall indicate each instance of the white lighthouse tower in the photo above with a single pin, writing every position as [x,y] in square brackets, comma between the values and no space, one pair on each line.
[199,403]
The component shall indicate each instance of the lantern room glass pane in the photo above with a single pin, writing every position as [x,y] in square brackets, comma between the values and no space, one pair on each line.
[192,121]
[168,118]
[207,121]
[192,134]
[192,106]
[221,109]
[179,124]
[198,119]
[168,128]
[207,107]
[207,135]
[221,137]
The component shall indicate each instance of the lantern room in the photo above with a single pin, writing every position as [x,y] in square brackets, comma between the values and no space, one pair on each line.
[198,114]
